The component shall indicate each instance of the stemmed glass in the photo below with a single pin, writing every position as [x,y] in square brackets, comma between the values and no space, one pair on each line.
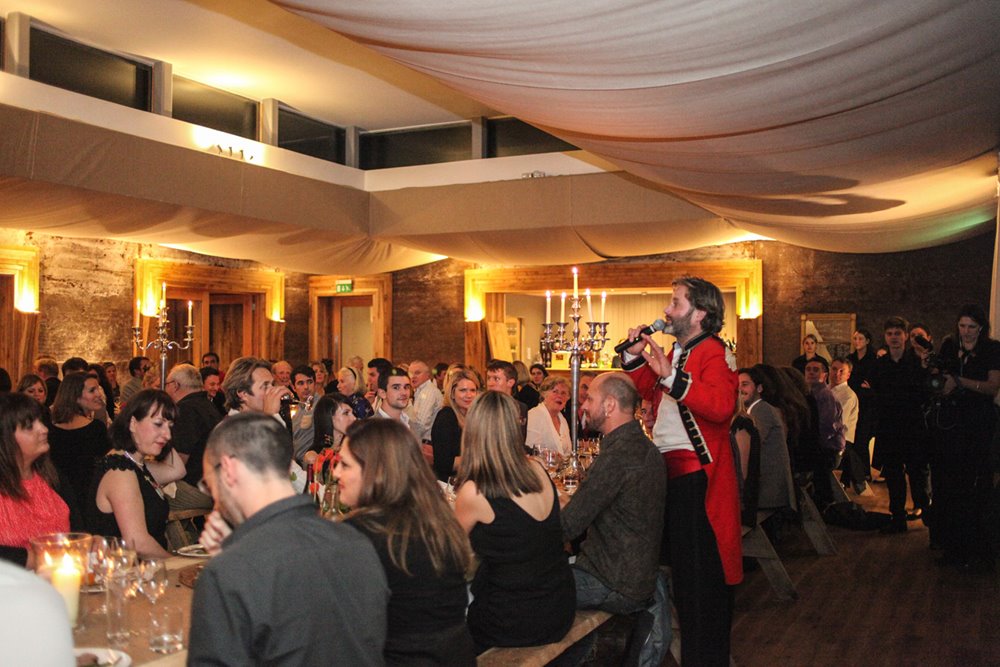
[153,578]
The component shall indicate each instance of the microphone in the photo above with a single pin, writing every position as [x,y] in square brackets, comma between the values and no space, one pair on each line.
[658,325]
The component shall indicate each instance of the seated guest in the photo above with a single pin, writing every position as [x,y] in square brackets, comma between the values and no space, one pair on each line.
[47,369]
[97,370]
[529,382]
[111,373]
[523,591]
[125,500]
[305,387]
[152,379]
[547,427]
[350,384]
[331,418]
[324,383]
[393,395]
[619,561]
[137,367]
[398,505]
[211,383]
[196,417]
[33,386]
[853,466]
[427,401]
[289,587]
[502,376]
[34,626]
[776,488]
[460,390]
[830,423]
[29,506]
[76,440]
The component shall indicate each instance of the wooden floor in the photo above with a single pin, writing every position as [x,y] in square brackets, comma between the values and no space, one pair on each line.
[880,601]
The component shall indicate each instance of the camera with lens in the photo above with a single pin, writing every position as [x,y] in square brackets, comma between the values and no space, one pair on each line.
[937,365]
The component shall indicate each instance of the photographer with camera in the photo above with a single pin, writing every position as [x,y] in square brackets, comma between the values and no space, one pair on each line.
[967,370]
[900,437]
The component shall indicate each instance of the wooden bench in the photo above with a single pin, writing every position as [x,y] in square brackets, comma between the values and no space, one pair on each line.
[585,622]
[757,545]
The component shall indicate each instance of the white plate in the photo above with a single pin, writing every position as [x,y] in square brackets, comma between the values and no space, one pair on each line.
[193,551]
[106,656]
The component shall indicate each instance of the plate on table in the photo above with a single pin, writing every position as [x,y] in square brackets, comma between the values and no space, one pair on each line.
[193,551]
[103,657]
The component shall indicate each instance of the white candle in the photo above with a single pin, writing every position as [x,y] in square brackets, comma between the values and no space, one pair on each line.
[562,308]
[163,296]
[548,307]
[604,298]
[576,276]
[190,304]
[138,310]
[590,310]
[66,581]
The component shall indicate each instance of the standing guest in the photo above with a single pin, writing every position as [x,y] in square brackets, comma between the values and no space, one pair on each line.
[111,373]
[331,419]
[853,465]
[964,427]
[125,500]
[699,381]
[211,382]
[440,371]
[547,427]
[461,390]
[48,370]
[195,419]
[831,441]
[288,587]
[397,504]
[775,489]
[77,441]
[350,384]
[29,505]
[809,345]
[137,368]
[523,590]
[862,376]
[394,395]
[33,386]
[619,562]
[901,432]
[427,400]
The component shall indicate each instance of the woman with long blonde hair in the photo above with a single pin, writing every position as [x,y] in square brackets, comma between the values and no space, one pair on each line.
[398,505]
[460,388]
[523,590]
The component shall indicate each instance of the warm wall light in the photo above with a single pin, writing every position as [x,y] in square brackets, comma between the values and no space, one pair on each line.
[474,309]
[22,263]
[227,145]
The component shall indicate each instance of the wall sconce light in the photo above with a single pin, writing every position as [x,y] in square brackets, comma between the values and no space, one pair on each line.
[230,152]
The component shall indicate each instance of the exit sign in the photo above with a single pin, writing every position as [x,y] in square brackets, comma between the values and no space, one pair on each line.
[344,286]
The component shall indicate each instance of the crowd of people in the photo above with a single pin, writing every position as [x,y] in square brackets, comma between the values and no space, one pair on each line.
[441,495]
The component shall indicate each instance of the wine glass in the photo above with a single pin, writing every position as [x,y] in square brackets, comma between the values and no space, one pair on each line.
[152,580]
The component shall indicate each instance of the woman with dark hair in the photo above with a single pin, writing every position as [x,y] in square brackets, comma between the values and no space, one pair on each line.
[77,440]
[523,591]
[809,345]
[529,392]
[97,371]
[125,500]
[963,428]
[332,416]
[460,388]
[29,505]
[398,505]
[33,386]
[862,378]
[351,384]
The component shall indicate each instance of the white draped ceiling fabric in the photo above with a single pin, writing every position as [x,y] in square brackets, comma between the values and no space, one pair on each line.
[845,125]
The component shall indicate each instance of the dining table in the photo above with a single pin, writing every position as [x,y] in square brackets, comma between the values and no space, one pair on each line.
[92,626]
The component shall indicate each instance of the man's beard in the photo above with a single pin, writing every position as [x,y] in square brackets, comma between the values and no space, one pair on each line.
[679,327]
[595,422]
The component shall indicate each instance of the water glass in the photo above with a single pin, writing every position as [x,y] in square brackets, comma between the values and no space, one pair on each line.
[166,629]
[117,586]
[153,578]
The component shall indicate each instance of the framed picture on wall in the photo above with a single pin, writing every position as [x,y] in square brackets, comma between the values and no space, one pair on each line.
[832,330]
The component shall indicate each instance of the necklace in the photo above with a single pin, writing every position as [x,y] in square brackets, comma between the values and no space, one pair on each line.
[145,473]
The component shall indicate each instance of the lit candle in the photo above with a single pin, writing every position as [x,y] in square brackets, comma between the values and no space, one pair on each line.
[66,581]
[590,310]
[163,296]
[604,298]
[548,307]
[138,309]
[190,304]
[576,276]
[562,308]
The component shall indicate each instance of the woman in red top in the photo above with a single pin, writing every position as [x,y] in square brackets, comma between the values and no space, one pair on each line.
[28,504]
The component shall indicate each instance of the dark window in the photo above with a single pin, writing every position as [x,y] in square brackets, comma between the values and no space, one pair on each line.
[83,69]
[310,137]
[510,136]
[210,107]
[404,148]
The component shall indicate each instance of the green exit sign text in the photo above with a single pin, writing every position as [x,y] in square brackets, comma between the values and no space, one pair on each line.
[344,286]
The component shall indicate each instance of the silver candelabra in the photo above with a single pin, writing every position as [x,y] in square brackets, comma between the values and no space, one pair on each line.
[555,339]
[162,341]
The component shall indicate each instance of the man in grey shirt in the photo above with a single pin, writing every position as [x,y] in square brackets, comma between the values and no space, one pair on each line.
[288,588]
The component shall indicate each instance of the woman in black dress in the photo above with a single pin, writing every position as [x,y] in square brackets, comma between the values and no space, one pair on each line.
[523,592]
[460,389]
[76,440]
[862,378]
[399,506]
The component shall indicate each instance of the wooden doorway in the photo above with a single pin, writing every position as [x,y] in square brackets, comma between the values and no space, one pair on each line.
[346,328]
[335,317]
[231,327]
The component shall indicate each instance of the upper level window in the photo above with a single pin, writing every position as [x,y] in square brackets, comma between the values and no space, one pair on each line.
[83,69]
[510,136]
[210,107]
[425,145]
[310,137]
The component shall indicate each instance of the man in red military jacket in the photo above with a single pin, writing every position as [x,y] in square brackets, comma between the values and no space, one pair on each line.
[698,383]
